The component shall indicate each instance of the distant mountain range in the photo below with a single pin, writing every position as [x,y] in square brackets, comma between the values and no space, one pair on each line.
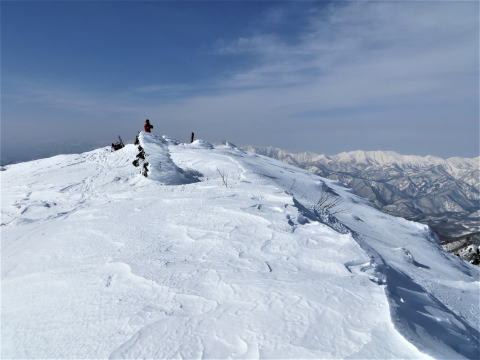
[442,193]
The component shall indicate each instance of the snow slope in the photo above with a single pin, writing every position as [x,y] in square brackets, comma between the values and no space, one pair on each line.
[101,262]
[441,193]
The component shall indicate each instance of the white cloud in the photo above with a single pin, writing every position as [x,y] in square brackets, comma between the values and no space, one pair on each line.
[396,56]
[400,42]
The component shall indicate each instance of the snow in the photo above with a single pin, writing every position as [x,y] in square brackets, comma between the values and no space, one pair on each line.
[456,166]
[161,167]
[101,262]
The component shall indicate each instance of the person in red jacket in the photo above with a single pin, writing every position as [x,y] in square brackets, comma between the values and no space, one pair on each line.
[148,127]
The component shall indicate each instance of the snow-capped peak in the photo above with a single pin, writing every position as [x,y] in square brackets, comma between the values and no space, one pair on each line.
[391,157]
[380,158]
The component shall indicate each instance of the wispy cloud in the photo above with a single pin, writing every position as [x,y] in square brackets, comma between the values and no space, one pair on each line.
[374,49]
[386,65]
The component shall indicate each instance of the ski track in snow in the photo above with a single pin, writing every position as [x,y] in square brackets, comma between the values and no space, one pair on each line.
[100,262]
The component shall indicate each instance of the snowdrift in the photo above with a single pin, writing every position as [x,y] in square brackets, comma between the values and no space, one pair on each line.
[101,262]
[161,168]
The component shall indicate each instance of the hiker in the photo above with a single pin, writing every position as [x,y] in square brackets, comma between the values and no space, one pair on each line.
[148,127]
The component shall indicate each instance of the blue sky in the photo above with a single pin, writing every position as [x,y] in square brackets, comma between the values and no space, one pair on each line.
[304,76]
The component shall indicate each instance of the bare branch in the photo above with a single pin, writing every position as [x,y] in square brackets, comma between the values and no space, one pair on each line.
[224,177]
[328,202]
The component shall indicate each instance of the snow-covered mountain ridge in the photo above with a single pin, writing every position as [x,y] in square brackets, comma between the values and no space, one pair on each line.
[383,157]
[99,261]
[443,193]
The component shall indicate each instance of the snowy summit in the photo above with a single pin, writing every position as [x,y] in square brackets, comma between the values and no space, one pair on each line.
[218,253]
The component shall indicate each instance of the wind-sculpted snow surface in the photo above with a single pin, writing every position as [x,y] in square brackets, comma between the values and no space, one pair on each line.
[161,167]
[442,193]
[101,262]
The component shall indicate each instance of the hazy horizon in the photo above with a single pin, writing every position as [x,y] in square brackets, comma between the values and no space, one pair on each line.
[47,151]
[323,77]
